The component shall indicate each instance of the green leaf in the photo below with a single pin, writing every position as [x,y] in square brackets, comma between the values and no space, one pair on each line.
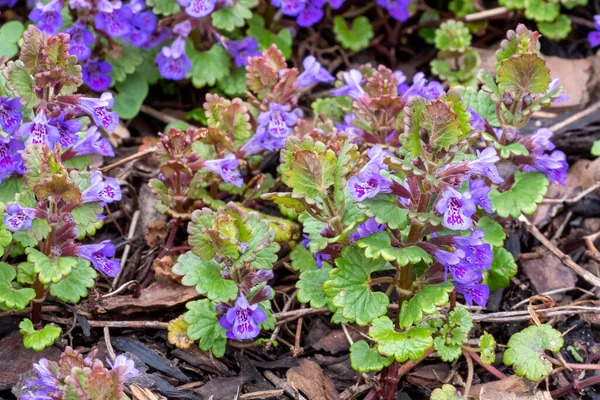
[494,233]
[86,218]
[10,33]
[446,392]
[310,288]
[452,36]
[78,162]
[512,4]
[206,277]
[595,148]
[378,245]
[558,29]
[482,103]
[334,108]
[25,273]
[387,210]
[440,120]
[285,200]
[425,302]
[302,259]
[409,345]
[413,121]
[542,10]
[453,333]
[503,268]
[130,96]
[526,351]
[9,188]
[148,68]
[31,237]
[164,7]
[38,340]
[5,238]
[265,38]
[489,84]
[20,83]
[75,286]
[229,18]
[487,344]
[354,37]
[11,297]
[50,269]
[524,196]
[311,174]
[208,66]
[126,64]
[366,359]
[349,287]
[234,84]
[515,148]
[524,73]
[204,325]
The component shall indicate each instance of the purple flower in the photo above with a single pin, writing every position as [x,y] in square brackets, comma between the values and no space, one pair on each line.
[485,165]
[539,142]
[94,143]
[422,87]
[478,192]
[80,41]
[113,18]
[365,229]
[10,114]
[98,110]
[352,88]
[157,38]
[398,9]
[130,371]
[198,8]
[241,50]
[477,293]
[446,258]
[476,121]
[279,119]
[99,255]
[309,16]
[96,74]
[562,97]
[10,157]
[262,141]
[553,165]
[172,61]
[456,209]
[84,5]
[313,73]
[19,218]
[227,168]
[594,36]
[291,8]
[241,321]
[143,24]
[39,131]
[318,257]
[8,3]
[47,16]
[367,185]
[46,384]
[183,29]
[102,191]
[68,130]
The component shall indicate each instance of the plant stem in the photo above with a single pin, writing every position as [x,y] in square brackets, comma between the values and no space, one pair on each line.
[36,304]
[563,391]
[470,374]
[489,368]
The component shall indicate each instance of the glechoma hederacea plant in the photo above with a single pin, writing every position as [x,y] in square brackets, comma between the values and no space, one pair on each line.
[51,200]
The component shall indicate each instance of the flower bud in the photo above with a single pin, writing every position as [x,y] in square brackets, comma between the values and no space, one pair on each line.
[507,99]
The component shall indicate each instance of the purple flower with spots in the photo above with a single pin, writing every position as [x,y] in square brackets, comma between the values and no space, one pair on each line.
[98,109]
[198,8]
[241,50]
[68,130]
[19,218]
[352,88]
[478,192]
[456,209]
[473,292]
[367,185]
[313,73]
[83,5]
[421,87]
[80,41]
[227,168]
[539,142]
[46,384]
[39,131]
[10,157]
[594,36]
[96,74]
[172,61]
[128,366]
[10,114]
[241,321]
[94,143]
[310,15]
[279,119]
[47,16]
[398,9]
[365,229]
[113,18]
[485,165]
[101,191]
[262,141]
[100,256]
[553,165]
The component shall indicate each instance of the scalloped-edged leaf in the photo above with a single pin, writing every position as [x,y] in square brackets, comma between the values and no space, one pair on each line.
[453,334]
[354,36]
[266,38]
[515,148]
[285,200]
[126,64]
[387,210]
[9,188]
[311,174]
[332,107]
[542,10]
[378,245]
[86,218]
[10,296]
[204,326]
[229,18]
[206,277]
[425,302]
[10,33]
[209,66]
[413,119]
[164,7]
[50,269]
[234,84]
[310,288]
[366,359]
[524,196]
[526,351]
[5,238]
[446,392]
[38,340]
[177,335]
[524,73]
[556,30]
[75,286]
[409,345]
[482,103]
[494,233]
[20,83]
[503,268]
[487,344]
[452,36]
[349,286]
[440,120]
[302,259]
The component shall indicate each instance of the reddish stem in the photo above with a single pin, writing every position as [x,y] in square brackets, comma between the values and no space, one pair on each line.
[576,386]
[489,368]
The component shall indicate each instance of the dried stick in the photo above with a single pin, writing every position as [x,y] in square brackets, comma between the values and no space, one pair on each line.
[469,382]
[575,117]
[588,276]
[129,159]
[113,324]
[109,348]
[283,384]
[575,199]
[132,228]
[286,307]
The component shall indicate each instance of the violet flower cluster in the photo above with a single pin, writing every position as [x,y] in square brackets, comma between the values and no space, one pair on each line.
[306,12]
[543,157]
